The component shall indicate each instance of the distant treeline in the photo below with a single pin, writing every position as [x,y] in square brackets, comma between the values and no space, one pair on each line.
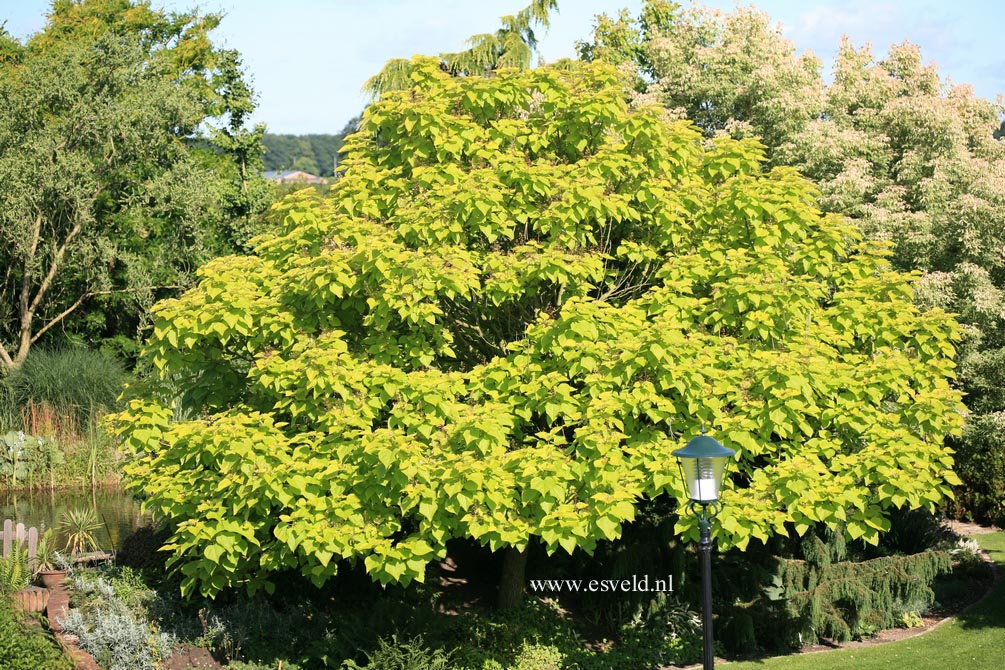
[314,153]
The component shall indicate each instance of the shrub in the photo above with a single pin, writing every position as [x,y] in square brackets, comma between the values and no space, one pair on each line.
[410,655]
[113,625]
[80,524]
[792,592]
[967,551]
[844,599]
[980,461]
[664,635]
[117,641]
[24,647]
[538,656]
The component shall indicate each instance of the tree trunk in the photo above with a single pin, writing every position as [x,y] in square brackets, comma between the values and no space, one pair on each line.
[514,574]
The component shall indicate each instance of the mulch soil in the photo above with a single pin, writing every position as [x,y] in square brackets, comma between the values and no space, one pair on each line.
[187,657]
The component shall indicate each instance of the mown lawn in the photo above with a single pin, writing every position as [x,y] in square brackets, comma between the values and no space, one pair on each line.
[974,641]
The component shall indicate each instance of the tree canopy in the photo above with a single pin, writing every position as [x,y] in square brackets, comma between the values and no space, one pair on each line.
[107,201]
[519,299]
[909,156]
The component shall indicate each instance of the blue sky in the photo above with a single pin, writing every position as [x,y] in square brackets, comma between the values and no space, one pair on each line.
[308,58]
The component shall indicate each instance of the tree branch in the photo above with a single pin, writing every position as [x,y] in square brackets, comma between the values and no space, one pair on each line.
[90,294]
[23,300]
[57,260]
[36,235]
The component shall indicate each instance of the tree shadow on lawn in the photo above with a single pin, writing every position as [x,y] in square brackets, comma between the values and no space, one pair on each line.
[989,612]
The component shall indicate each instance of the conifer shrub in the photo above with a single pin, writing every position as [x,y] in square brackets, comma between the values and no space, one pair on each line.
[842,600]
[790,595]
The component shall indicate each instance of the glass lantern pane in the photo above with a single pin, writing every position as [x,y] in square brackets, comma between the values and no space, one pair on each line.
[703,477]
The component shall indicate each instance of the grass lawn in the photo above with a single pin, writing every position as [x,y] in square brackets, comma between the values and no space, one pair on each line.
[975,640]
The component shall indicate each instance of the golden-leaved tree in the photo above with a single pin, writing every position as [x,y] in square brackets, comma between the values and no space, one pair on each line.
[910,156]
[518,300]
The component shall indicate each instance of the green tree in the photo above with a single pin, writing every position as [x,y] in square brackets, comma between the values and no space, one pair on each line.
[234,153]
[625,40]
[731,72]
[320,152]
[519,299]
[910,158]
[512,45]
[108,202]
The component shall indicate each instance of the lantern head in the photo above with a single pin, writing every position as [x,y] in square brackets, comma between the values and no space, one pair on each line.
[702,465]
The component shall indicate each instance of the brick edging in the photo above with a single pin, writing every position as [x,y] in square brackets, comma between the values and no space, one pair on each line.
[58,608]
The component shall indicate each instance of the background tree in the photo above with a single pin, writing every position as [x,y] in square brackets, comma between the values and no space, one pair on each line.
[234,154]
[519,299]
[317,151]
[625,40]
[909,157]
[108,203]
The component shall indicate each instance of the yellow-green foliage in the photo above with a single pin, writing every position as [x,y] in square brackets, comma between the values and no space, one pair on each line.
[519,299]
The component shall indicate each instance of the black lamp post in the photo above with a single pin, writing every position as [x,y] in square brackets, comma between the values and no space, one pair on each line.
[702,464]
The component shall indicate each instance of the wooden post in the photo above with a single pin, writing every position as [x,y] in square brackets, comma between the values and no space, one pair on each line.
[17,536]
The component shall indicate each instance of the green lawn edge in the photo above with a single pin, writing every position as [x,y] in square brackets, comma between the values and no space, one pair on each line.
[974,640]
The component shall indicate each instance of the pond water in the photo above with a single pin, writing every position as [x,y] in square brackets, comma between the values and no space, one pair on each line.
[117,512]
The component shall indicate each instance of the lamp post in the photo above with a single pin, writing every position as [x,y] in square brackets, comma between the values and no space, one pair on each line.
[702,464]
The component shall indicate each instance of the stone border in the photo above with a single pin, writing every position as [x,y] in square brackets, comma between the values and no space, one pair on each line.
[58,608]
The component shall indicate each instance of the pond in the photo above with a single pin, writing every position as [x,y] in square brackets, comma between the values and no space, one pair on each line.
[117,512]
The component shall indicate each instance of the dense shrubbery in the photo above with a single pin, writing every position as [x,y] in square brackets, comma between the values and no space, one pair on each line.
[980,457]
[768,598]
[832,597]
[24,647]
[357,622]
[797,592]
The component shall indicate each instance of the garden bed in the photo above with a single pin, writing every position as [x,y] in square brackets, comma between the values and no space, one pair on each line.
[236,632]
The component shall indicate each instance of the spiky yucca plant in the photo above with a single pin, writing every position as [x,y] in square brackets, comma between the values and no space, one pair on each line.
[80,525]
